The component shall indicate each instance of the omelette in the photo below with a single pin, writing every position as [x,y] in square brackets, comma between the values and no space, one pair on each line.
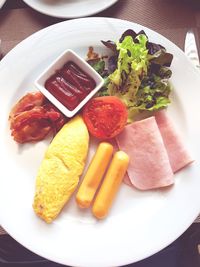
[61,168]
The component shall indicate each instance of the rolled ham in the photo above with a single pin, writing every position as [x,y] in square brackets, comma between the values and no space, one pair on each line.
[149,165]
[176,149]
[127,180]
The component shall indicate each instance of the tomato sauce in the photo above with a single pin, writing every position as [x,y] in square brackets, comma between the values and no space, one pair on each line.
[70,85]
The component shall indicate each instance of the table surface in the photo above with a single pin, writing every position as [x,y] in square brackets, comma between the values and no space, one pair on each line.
[171,18]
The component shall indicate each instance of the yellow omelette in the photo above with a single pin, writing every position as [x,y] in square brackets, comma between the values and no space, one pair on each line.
[61,168]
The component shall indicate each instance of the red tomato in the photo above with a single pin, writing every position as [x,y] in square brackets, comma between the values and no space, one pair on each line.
[105,116]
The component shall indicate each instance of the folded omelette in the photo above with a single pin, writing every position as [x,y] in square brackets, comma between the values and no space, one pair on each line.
[59,172]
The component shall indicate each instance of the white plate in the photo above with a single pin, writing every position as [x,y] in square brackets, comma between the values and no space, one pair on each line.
[70,8]
[140,223]
[2,3]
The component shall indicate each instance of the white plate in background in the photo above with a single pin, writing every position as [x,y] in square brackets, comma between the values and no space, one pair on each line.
[70,8]
[2,2]
[140,223]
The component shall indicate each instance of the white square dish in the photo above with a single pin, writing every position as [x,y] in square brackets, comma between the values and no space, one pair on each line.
[54,67]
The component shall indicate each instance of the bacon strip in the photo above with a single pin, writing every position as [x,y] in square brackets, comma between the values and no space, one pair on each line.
[33,117]
[27,102]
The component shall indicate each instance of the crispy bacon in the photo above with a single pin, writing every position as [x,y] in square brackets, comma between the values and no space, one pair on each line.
[33,118]
[27,102]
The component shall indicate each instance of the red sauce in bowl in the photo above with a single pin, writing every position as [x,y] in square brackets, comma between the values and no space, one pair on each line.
[70,85]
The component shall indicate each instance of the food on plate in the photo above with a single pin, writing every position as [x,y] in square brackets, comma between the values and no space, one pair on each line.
[149,165]
[138,72]
[91,55]
[94,175]
[110,185]
[136,77]
[27,102]
[59,172]
[127,180]
[179,156]
[105,117]
[33,117]
[70,85]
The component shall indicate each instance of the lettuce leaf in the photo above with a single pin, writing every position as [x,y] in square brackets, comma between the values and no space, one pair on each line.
[132,60]
[138,73]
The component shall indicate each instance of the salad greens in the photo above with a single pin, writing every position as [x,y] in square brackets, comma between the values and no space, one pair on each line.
[137,72]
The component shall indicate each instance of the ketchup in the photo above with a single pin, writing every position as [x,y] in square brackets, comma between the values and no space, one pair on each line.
[70,85]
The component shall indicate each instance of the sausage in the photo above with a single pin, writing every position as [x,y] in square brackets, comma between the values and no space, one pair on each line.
[94,175]
[110,185]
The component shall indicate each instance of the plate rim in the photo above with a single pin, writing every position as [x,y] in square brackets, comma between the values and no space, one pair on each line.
[111,2]
[2,2]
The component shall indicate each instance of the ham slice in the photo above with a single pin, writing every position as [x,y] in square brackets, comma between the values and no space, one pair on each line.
[127,180]
[149,165]
[177,152]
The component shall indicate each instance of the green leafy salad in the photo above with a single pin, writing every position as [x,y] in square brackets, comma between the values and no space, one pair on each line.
[137,72]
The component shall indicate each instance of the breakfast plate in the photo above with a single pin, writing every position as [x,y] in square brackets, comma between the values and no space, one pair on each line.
[70,8]
[140,223]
